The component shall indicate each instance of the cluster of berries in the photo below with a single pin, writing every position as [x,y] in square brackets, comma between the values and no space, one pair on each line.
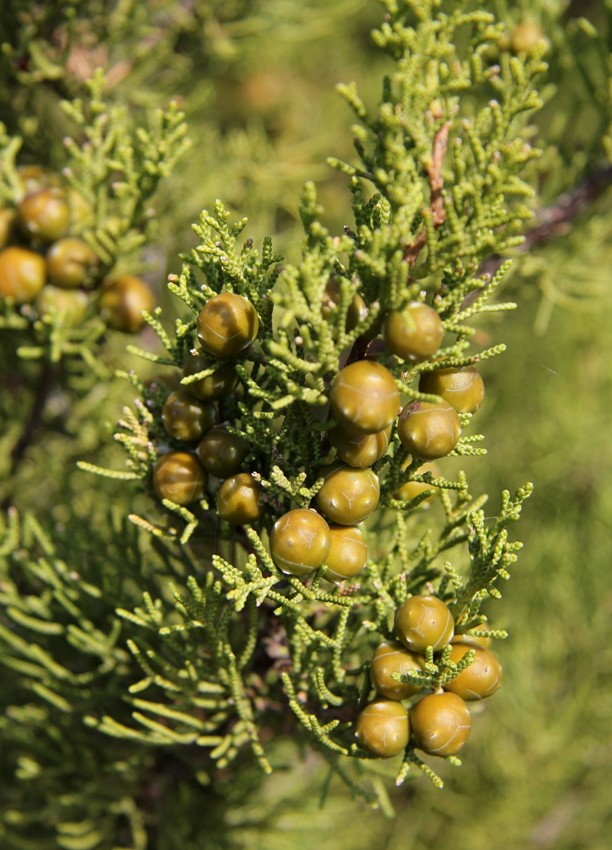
[227,326]
[364,402]
[43,264]
[438,723]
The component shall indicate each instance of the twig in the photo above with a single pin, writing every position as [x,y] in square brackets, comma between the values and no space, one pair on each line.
[436,180]
[556,219]
[436,203]
[43,388]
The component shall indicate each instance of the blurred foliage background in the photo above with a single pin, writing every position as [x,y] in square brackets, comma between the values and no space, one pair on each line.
[256,80]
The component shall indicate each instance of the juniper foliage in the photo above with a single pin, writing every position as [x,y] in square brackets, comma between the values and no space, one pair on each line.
[419,225]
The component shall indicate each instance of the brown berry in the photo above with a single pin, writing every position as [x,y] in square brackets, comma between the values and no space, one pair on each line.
[423,621]
[186,419]
[461,388]
[44,214]
[71,263]
[359,450]
[383,728]
[22,274]
[178,476]
[300,542]
[427,430]
[411,489]
[239,499]
[348,495]
[7,221]
[357,311]
[219,384]
[122,302]
[70,304]
[364,397]
[32,178]
[473,639]
[348,554]
[222,453]
[441,724]
[414,333]
[481,679]
[389,658]
[227,325]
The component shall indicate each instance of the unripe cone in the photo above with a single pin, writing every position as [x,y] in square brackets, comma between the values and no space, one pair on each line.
[227,325]
[364,397]
[348,496]
[358,309]
[239,499]
[217,385]
[391,657]
[481,679]
[7,221]
[22,274]
[348,554]
[473,640]
[70,304]
[416,337]
[423,621]
[71,263]
[44,214]
[429,431]
[300,542]
[357,450]
[222,453]
[178,476]
[33,178]
[186,419]
[122,301]
[383,728]
[411,489]
[461,388]
[441,724]
[525,36]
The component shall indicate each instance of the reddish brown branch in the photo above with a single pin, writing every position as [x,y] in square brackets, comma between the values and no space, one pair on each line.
[436,181]
[556,219]
[436,202]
